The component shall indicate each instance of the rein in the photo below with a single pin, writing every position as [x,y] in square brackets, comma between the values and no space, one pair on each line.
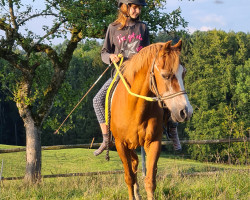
[128,89]
[152,84]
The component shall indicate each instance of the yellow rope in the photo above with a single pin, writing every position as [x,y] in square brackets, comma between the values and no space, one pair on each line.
[128,89]
[126,86]
[108,91]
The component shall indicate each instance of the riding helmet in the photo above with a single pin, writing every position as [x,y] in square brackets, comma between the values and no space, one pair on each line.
[136,2]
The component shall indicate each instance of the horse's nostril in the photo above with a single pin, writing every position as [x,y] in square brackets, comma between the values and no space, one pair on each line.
[183,113]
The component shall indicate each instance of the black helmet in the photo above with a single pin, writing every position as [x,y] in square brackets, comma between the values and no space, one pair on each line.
[136,2]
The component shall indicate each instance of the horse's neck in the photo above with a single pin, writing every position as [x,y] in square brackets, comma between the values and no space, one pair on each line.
[140,86]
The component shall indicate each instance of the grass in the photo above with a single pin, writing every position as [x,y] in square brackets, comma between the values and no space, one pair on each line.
[227,183]
[3,146]
[61,161]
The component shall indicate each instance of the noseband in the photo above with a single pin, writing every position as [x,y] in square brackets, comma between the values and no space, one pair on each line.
[154,89]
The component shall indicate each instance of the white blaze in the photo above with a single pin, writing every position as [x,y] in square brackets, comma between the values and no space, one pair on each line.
[180,102]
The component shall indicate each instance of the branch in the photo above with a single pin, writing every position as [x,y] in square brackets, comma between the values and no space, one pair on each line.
[13,18]
[52,31]
[4,26]
[27,45]
[72,45]
[15,60]
[11,33]
[8,55]
[52,54]
[36,15]
[60,69]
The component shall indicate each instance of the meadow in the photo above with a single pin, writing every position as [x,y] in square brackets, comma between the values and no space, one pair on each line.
[177,178]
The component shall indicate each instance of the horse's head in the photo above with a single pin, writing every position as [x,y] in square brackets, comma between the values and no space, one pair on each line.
[167,83]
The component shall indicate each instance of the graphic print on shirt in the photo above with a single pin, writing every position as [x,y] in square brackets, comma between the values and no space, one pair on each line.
[130,45]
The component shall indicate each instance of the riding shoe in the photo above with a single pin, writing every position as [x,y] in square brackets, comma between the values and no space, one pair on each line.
[172,134]
[103,146]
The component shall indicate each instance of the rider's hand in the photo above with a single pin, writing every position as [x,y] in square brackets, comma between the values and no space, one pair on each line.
[114,58]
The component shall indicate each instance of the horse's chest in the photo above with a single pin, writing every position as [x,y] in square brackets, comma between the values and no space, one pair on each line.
[135,136]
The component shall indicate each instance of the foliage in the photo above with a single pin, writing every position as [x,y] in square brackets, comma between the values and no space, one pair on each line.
[218,85]
[11,125]
[86,66]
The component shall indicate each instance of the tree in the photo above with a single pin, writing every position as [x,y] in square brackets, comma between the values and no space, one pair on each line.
[217,82]
[85,68]
[26,51]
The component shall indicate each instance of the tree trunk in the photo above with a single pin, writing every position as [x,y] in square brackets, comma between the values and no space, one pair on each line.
[33,133]
[33,151]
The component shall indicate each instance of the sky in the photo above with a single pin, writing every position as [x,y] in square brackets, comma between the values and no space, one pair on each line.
[227,15]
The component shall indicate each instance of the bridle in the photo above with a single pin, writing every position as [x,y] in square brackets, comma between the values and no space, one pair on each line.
[152,86]
[154,89]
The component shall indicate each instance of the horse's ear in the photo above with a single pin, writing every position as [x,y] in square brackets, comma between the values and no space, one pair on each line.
[167,45]
[178,45]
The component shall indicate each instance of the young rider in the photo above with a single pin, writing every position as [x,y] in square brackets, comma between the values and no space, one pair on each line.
[127,35]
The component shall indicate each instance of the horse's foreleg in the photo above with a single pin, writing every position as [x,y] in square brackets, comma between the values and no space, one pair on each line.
[134,168]
[125,156]
[153,152]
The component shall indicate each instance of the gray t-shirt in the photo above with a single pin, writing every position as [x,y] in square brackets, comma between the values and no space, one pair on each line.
[127,41]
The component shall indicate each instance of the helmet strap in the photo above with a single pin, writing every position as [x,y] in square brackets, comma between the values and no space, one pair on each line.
[128,7]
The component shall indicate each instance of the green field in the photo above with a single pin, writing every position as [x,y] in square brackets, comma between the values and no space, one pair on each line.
[177,178]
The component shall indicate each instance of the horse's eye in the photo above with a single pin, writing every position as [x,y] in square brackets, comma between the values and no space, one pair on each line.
[166,76]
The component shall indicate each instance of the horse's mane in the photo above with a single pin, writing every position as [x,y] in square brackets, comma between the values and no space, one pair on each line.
[144,58]
[136,63]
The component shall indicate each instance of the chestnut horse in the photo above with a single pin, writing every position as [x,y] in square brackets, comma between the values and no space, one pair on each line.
[153,72]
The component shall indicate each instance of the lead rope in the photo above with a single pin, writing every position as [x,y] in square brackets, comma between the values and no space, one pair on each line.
[108,124]
[109,139]
[108,119]
[109,132]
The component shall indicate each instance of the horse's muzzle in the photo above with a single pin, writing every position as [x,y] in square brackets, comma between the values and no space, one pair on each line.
[186,113]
